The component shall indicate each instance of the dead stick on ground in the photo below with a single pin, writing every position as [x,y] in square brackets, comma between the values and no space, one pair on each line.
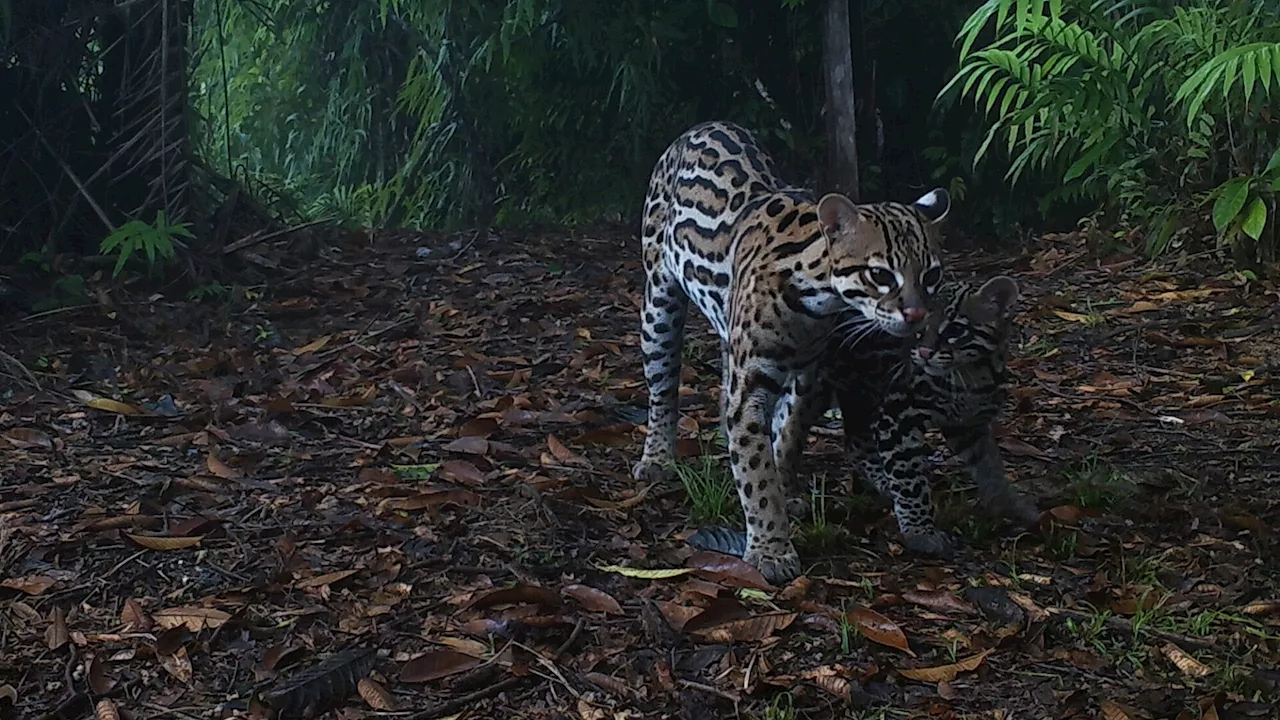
[245,242]
[448,708]
[1124,625]
[18,364]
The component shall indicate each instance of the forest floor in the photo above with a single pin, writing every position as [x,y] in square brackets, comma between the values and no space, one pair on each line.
[391,479]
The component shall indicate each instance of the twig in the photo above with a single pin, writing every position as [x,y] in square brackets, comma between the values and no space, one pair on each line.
[18,364]
[731,697]
[457,704]
[254,239]
[1124,625]
[70,173]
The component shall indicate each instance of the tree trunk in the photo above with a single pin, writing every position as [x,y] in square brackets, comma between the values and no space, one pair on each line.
[842,123]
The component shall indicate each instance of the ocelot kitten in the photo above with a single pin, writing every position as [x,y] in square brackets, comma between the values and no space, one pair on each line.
[773,271]
[956,379]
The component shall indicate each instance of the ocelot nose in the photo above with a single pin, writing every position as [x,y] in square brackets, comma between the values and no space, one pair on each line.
[925,352]
[914,314]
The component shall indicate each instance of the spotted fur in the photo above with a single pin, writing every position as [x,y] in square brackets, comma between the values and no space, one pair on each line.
[956,380]
[775,273]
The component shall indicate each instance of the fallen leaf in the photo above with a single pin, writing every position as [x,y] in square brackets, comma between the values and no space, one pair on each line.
[1187,664]
[1014,446]
[562,453]
[1262,607]
[1072,316]
[31,584]
[518,594]
[314,346]
[1113,711]
[593,599]
[134,617]
[946,673]
[630,502]
[194,618]
[7,692]
[325,579]
[113,406]
[470,444]
[940,601]
[727,570]
[752,629]
[478,427]
[645,574]
[436,664]
[878,628]
[57,635]
[721,610]
[178,665]
[106,710]
[28,439]
[376,695]
[221,469]
[460,471]
[164,543]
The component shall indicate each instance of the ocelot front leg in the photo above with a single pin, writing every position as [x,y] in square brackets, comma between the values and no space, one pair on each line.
[978,450]
[666,306]
[903,463]
[754,390]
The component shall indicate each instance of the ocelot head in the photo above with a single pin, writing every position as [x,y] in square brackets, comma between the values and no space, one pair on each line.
[886,260]
[972,326]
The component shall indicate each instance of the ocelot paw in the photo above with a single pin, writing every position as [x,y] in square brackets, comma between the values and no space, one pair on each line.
[930,541]
[779,566]
[650,472]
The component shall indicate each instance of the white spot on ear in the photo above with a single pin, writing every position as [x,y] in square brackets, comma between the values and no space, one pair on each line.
[934,205]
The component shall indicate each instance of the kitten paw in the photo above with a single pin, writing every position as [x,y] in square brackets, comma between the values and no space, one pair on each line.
[650,471]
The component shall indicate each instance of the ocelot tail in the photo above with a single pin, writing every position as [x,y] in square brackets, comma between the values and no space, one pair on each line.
[774,273]
[956,379]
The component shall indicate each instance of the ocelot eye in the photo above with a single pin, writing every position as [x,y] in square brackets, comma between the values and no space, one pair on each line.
[882,277]
[931,277]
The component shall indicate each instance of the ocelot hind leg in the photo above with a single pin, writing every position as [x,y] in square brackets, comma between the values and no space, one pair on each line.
[978,450]
[661,339]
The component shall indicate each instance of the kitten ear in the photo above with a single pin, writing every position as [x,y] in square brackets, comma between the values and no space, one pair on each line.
[998,295]
[934,205]
[838,216]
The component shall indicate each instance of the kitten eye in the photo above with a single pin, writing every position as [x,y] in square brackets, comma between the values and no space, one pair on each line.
[932,276]
[882,277]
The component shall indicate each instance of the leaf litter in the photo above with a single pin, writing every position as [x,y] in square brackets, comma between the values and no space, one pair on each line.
[384,484]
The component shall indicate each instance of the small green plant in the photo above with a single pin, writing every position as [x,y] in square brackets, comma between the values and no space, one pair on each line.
[782,707]
[1099,486]
[818,532]
[155,241]
[207,292]
[710,487]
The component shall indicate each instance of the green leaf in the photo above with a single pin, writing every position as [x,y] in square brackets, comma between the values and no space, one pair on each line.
[722,14]
[1273,163]
[1231,198]
[1255,218]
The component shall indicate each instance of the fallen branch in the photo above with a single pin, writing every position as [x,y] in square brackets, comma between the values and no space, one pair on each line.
[256,238]
[445,709]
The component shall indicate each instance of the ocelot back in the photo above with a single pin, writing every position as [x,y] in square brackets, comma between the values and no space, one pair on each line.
[774,272]
[955,378]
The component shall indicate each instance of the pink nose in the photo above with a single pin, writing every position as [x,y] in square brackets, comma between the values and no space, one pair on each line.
[914,314]
[925,352]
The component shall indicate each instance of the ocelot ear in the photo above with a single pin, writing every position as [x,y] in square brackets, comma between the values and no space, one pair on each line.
[934,205]
[998,295]
[838,216]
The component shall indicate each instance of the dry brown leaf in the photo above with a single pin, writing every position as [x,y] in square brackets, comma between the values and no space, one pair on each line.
[518,594]
[56,635]
[1112,710]
[113,406]
[727,570]
[31,584]
[221,469]
[470,444]
[314,346]
[106,710]
[163,544]
[593,599]
[478,427]
[830,680]
[96,677]
[752,629]
[1262,607]
[562,453]
[423,501]
[178,665]
[608,682]
[630,502]
[1187,664]
[325,579]
[28,439]
[7,692]
[878,628]
[460,471]
[721,610]
[376,695]
[134,617]
[470,647]
[946,673]
[436,664]
[941,601]
[194,618]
